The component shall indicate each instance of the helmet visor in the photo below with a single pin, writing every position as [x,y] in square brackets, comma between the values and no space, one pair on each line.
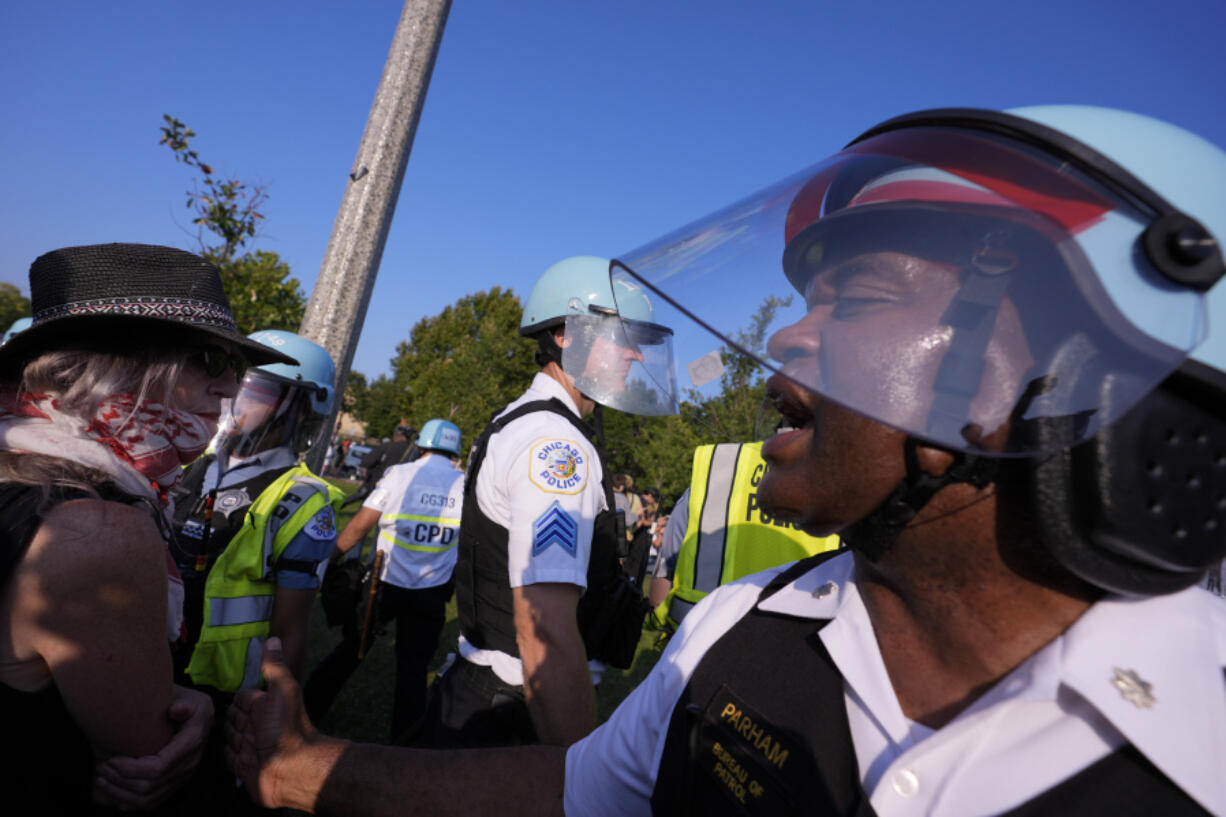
[268,412]
[621,363]
[958,285]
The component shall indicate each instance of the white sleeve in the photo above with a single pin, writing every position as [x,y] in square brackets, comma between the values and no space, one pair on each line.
[612,771]
[554,493]
[385,489]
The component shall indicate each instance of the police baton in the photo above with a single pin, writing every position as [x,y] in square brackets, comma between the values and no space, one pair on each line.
[368,621]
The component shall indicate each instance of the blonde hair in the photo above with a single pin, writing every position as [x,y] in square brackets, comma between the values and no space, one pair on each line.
[80,379]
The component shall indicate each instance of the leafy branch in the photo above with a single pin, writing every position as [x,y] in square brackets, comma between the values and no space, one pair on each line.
[228,208]
[262,293]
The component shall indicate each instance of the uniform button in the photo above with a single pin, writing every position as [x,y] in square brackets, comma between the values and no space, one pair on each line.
[905,783]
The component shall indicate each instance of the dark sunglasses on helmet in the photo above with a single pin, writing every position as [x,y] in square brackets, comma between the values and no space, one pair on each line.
[215,360]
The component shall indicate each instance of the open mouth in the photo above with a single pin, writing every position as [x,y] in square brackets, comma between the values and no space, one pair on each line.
[790,402]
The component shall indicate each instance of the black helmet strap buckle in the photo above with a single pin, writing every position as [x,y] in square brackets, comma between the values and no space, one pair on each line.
[877,532]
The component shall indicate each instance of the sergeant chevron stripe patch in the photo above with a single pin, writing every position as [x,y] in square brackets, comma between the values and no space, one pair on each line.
[555,527]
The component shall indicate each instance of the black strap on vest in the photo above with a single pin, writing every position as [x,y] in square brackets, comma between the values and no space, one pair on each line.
[483,596]
[190,509]
[761,728]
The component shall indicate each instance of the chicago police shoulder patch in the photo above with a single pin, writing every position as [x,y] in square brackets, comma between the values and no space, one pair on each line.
[322,526]
[558,466]
[555,527]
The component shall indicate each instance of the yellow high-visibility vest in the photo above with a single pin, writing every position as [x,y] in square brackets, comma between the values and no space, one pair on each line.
[729,536]
[239,590]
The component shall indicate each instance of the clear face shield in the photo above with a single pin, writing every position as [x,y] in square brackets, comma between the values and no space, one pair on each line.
[962,287]
[620,362]
[268,412]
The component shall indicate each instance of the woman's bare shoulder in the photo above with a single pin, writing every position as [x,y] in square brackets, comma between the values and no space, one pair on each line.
[95,538]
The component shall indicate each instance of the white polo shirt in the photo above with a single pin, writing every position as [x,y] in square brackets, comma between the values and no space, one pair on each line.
[1143,671]
[541,480]
[419,504]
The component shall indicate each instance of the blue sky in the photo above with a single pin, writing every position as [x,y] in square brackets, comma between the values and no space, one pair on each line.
[550,128]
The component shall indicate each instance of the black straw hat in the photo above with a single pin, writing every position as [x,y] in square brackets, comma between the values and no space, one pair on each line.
[91,292]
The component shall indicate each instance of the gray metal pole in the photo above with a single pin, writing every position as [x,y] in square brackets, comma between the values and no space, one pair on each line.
[337,308]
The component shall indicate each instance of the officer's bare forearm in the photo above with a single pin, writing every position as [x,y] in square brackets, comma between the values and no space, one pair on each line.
[356,530]
[560,696]
[365,780]
[557,684]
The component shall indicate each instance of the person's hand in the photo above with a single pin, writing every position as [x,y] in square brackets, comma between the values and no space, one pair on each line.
[144,783]
[264,728]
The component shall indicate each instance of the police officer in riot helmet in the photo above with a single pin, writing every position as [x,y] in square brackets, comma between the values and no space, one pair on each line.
[250,482]
[1003,374]
[539,539]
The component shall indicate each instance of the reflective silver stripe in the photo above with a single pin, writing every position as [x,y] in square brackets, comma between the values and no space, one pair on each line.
[251,664]
[678,609]
[242,610]
[713,522]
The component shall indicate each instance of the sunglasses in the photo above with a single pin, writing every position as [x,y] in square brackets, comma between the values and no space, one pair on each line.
[215,360]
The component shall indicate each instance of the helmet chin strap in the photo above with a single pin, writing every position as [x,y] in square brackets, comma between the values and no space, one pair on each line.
[877,532]
[972,315]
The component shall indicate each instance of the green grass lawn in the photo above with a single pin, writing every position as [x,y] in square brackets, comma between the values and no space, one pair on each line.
[363,710]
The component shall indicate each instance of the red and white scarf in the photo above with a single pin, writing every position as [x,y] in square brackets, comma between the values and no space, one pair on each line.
[140,446]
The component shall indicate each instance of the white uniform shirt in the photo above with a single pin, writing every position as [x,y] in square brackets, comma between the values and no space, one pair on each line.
[541,480]
[419,524]
[1068,705]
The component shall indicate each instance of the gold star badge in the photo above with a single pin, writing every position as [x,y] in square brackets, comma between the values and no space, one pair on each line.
[1134,689]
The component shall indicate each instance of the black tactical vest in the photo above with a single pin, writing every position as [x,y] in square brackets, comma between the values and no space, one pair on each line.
[483,593]
[761,729]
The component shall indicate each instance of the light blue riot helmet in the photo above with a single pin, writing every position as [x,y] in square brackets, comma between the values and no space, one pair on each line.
[1034,292]
[440,435]
[18,326]
[1187,172]
[280,405]
[314,367]
[617,353]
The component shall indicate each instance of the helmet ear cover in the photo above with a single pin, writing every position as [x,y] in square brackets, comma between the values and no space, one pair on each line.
[548,351]
[1140,508]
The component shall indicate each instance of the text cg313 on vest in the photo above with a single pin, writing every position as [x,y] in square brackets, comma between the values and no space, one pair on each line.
[239,590]
[729,535]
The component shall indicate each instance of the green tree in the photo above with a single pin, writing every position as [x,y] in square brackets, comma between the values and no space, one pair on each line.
[736,411]
[262,293]
[13,305]
[258,284]
[383,404]
[464,363]
[356,394]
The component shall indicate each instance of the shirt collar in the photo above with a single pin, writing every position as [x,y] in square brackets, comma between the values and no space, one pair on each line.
[1153,668]
[818,594]
[240,470]
[1168,697]
[546,386]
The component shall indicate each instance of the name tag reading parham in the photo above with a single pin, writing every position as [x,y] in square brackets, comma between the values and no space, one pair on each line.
[746,757]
